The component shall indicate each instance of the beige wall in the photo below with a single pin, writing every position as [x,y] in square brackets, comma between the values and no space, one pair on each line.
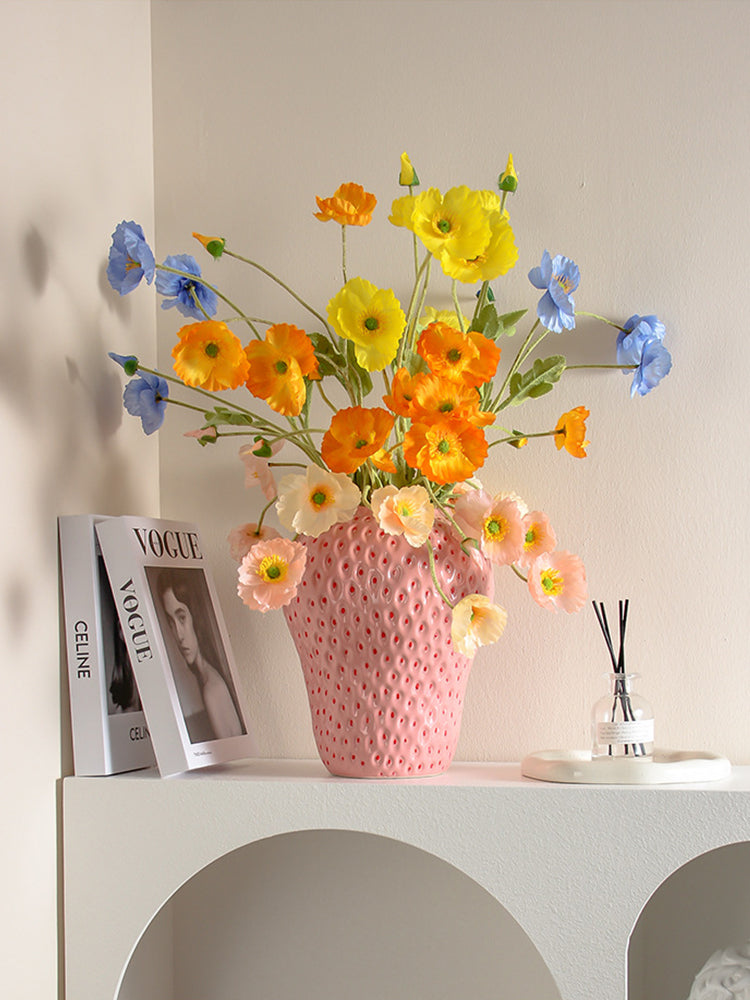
[77,156]
[629,126]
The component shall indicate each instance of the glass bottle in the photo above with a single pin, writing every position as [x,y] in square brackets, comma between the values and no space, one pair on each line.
[622,723]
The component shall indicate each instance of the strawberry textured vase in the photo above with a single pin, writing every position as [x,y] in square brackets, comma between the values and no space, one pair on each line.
[385,685]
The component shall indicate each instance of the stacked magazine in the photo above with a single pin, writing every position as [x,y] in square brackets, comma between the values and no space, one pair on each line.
[150,668]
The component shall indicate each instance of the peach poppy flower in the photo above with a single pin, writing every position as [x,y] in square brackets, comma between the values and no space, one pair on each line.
[539,538]
[496,523]
[209,356]
[402,393]
[558,580]
[408,512]
[436,398]
[314,501]
[476,622]
[270,572]
[257,471]
[242,539]
[278,366]
[446,451]
[470,358]
[355,433]
[350,205]
[570,432]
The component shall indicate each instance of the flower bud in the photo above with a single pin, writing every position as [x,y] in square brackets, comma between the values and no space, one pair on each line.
[408,175]
[519,442]
[214,244]
[508,179]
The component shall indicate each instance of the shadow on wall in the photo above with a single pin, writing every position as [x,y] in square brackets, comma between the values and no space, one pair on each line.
[701,908]
[330,915]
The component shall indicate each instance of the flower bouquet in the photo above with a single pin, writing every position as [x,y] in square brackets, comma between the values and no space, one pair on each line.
[424,399]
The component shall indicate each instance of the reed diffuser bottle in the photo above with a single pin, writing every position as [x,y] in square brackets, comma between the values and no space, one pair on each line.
[622,723]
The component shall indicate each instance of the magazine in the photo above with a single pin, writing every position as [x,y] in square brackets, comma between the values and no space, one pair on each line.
[177,640]
[108,725]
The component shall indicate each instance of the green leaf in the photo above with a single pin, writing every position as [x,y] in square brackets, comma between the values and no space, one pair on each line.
[509,320]
[220,415]
[537,381]
[264,449]
[487,322]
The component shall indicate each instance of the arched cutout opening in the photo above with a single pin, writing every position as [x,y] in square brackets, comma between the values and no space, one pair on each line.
[701,908]
[328,915]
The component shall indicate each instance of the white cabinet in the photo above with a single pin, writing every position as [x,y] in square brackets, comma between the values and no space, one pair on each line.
[572,866]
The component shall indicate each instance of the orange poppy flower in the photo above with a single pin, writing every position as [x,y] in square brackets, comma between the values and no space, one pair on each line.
[350,205]
[570,432]
[445,451]
[470,358]
[402,393]
[355,434]
[382,460]
[438,398]
[278,367]
[209,356]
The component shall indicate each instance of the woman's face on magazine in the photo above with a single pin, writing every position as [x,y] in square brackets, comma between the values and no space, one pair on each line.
[181,623]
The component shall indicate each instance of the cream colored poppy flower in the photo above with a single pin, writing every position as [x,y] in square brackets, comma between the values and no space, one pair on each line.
[476,622]
[408,512]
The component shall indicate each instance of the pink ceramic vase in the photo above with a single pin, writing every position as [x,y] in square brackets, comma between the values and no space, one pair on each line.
[384,682]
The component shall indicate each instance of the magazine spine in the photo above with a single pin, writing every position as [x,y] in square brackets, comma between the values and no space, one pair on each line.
[91,749]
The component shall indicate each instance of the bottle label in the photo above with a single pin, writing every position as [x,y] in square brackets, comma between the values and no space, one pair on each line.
[625,732]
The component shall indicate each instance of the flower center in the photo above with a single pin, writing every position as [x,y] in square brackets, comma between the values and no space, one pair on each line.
[371,324]
[446,407]
[281,367]
[319,498]
[272,569]
[454,355]
[212,350]
[564,283]
[552,582]
[530,537]
[495,528]
[444,225]
[131,264]
[443,446]
[361,443]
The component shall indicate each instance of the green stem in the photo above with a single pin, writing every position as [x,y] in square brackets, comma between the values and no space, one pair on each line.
[201,281]
[456,305]
[602,319]
[412,311]
[290,291]
[481,302]
[520,437]
[265,511]
[433,573]
[514,367]
[185,406]
[621,367]
[326,400]
[343,250]
[518,573]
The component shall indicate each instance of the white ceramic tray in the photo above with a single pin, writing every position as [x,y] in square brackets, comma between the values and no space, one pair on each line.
[666,767]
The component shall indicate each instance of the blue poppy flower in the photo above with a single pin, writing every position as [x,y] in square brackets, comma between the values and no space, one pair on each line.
[128,362]
[180,289]
[559,276]
[146,397]
[639,343]
[130,258]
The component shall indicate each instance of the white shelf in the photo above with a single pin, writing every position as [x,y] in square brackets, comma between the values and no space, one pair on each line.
[546,851]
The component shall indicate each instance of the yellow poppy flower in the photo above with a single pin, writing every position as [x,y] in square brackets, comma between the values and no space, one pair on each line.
[278,366]
[350,205]
[455,222]
[209,356]
[496,258]
[371,318]
[402,210]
